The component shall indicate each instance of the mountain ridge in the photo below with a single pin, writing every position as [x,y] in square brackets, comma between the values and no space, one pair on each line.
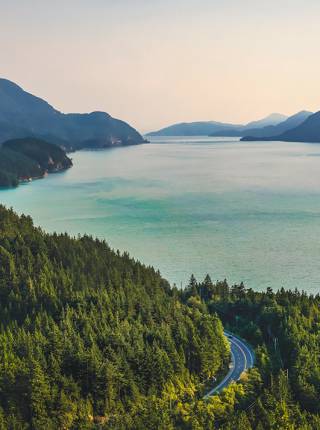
[24,115]
[274,130]
[307,131]
[214,128]
[196,128]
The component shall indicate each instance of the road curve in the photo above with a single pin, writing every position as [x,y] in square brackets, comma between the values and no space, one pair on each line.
[242,359]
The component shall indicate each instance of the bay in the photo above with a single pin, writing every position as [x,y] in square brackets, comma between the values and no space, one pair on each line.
[245,211]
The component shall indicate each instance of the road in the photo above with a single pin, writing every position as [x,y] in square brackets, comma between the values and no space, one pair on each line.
[242,358]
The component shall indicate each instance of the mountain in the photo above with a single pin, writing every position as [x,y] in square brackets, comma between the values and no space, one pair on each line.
[272,119]
[275,130]
[214,128]
[24,115]
[307,131]
[24,159]
[199,128]
[269,121]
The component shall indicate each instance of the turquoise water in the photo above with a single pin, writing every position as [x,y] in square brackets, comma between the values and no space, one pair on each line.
[242,211]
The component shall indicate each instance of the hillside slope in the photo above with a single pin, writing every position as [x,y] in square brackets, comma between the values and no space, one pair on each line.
[307,131]
[22,114]
[24,159]
[198,128]
[214,128]
[276,130]
[89,338]
[253,127]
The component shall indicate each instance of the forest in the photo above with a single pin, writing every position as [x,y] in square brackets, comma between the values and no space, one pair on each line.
[92,339]
[284,328]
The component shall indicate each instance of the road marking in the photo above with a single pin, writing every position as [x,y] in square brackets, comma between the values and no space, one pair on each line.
[250,354]
[246,348]
[243,353]
[240,348]
[226,378]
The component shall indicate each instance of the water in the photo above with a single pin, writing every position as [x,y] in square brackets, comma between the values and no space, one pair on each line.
[243,211]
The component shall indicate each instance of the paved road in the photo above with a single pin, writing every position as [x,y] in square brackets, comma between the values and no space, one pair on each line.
[242,358]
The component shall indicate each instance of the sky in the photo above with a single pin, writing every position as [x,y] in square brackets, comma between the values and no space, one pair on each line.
[156,62]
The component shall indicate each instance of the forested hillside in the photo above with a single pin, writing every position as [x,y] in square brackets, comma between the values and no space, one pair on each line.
[285,328]
[92,338]
[24,159]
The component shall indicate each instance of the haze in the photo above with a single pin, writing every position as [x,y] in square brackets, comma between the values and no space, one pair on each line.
[153,63]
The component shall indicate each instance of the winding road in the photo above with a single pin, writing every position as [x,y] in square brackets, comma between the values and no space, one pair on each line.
[242,359]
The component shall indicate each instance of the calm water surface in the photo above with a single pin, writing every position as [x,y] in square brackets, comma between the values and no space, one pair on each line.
[243,211]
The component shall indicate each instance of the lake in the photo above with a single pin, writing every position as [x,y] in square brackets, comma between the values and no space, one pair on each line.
[245,211]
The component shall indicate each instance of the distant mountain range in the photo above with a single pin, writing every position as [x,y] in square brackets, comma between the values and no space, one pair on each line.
[24,115]
[276,130]
[253,127]
[304,126]
[214,128]
[307,131]
[200,128]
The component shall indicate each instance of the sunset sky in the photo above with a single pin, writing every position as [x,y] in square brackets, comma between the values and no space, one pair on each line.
[153,63]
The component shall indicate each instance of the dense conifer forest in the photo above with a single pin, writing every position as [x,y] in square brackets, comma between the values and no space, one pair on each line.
[92,339]
[284,327]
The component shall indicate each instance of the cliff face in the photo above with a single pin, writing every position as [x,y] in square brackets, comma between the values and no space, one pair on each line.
[22,114]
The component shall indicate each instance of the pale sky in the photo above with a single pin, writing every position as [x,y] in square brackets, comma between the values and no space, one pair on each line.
[157,62]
